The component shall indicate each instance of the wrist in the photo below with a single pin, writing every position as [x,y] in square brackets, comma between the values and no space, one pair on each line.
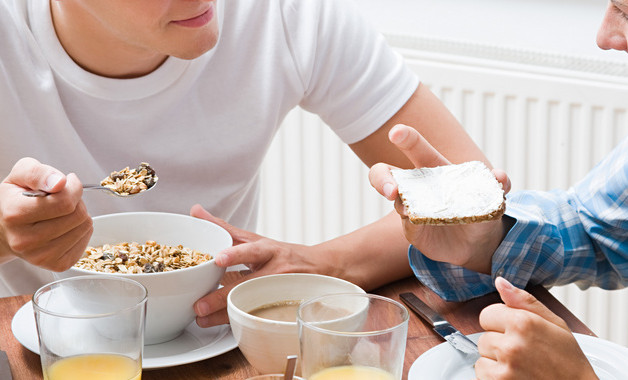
[481,259]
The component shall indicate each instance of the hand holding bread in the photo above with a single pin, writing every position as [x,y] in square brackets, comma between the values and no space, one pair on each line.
[442,204]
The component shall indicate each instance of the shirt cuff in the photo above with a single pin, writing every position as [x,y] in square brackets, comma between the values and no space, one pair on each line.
[515,259]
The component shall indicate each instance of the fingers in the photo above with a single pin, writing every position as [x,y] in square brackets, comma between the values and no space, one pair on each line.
[486,368]
[29,173]
[265,256]
[382,180]
[51,231]
[32,210]
[489,344]
[253,255]
[520,299]
[218,318]
[415,147]
[61,253]
[494,317]
[211,310]
[238,235]
[503,178]
[54,244]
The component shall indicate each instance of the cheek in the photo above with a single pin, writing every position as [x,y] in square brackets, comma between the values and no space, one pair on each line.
[131,19]
[141,30]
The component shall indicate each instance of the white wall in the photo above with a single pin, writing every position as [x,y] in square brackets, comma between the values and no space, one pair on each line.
[567,26]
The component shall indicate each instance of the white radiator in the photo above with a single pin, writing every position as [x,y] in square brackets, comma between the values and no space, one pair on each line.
[544,118]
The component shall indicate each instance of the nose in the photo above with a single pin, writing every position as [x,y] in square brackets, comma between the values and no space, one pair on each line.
[612,32]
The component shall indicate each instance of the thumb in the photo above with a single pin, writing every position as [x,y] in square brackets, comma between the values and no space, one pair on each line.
[520,299]
[503,178]
[239,235]
[31,174]
[409,141]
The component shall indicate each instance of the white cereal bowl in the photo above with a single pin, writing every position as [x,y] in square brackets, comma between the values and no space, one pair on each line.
[266,343]
[171,295]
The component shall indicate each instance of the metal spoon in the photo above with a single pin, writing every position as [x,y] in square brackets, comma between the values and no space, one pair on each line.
[41,193]
[290,367]
[123,174]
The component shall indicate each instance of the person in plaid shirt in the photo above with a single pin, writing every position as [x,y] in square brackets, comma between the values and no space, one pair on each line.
[551,238]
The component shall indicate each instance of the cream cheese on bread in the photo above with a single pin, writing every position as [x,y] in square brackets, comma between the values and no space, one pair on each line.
[450,194]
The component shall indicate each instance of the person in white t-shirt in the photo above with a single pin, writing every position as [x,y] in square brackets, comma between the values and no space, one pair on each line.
[197,89]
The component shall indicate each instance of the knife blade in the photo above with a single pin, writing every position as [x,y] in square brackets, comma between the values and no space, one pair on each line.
[440,325]
[5,369]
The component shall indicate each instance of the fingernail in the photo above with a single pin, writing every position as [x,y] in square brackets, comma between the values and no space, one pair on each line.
[52,180]
[202,322]
[388,189]
[397,137]
[221,260]
[202,308]
[505,284]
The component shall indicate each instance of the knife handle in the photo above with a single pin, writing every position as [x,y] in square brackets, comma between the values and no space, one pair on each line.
[422,309]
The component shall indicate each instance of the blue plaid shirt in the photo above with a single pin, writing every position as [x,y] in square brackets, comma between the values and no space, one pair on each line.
[559,237]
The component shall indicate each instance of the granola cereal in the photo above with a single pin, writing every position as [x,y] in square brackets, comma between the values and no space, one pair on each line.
[150,257]
[131,181]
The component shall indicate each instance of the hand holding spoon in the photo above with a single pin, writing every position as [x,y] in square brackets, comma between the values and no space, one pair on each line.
[124,183]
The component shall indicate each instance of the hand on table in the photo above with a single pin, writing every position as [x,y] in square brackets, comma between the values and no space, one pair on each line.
[525,340]
[470,245]
[51,232]
[263,256]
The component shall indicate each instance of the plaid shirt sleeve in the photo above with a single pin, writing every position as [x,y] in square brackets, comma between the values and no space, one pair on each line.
[559,237]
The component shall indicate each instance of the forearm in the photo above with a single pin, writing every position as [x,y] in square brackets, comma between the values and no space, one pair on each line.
[428,115]
[371,256]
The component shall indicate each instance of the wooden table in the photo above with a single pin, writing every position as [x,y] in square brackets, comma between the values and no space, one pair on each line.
[232,365]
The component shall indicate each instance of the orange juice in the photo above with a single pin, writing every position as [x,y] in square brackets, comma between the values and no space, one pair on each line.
[94,367]
[351,372]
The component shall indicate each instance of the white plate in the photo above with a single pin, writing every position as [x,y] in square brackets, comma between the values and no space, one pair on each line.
[193,345]
[444,362]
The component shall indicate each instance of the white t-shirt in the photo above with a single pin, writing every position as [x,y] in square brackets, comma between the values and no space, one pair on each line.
[203,124]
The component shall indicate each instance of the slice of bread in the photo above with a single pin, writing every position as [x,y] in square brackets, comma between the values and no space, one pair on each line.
[450,194]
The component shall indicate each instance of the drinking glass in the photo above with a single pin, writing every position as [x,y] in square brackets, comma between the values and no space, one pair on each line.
[352,336]
[91,327]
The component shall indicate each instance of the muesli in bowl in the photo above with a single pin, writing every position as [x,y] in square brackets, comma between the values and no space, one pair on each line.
[171,293]
[149,257]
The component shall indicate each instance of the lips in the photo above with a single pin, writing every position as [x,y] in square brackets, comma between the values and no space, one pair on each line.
[197,21]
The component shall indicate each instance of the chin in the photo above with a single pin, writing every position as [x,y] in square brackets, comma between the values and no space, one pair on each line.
[195,46]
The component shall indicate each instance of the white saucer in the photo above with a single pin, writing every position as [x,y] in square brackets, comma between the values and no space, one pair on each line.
[444,362]
[193,345]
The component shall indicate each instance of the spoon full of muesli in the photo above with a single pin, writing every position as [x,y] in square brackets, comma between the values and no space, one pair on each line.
[123,183]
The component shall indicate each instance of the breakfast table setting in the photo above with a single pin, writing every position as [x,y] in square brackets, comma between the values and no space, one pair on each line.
[124,311]
[229,363]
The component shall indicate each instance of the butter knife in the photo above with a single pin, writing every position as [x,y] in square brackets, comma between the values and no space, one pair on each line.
[5,370]
[443,328]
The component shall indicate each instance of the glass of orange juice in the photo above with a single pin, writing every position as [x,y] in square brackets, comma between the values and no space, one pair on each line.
[352,336]
[91,327]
